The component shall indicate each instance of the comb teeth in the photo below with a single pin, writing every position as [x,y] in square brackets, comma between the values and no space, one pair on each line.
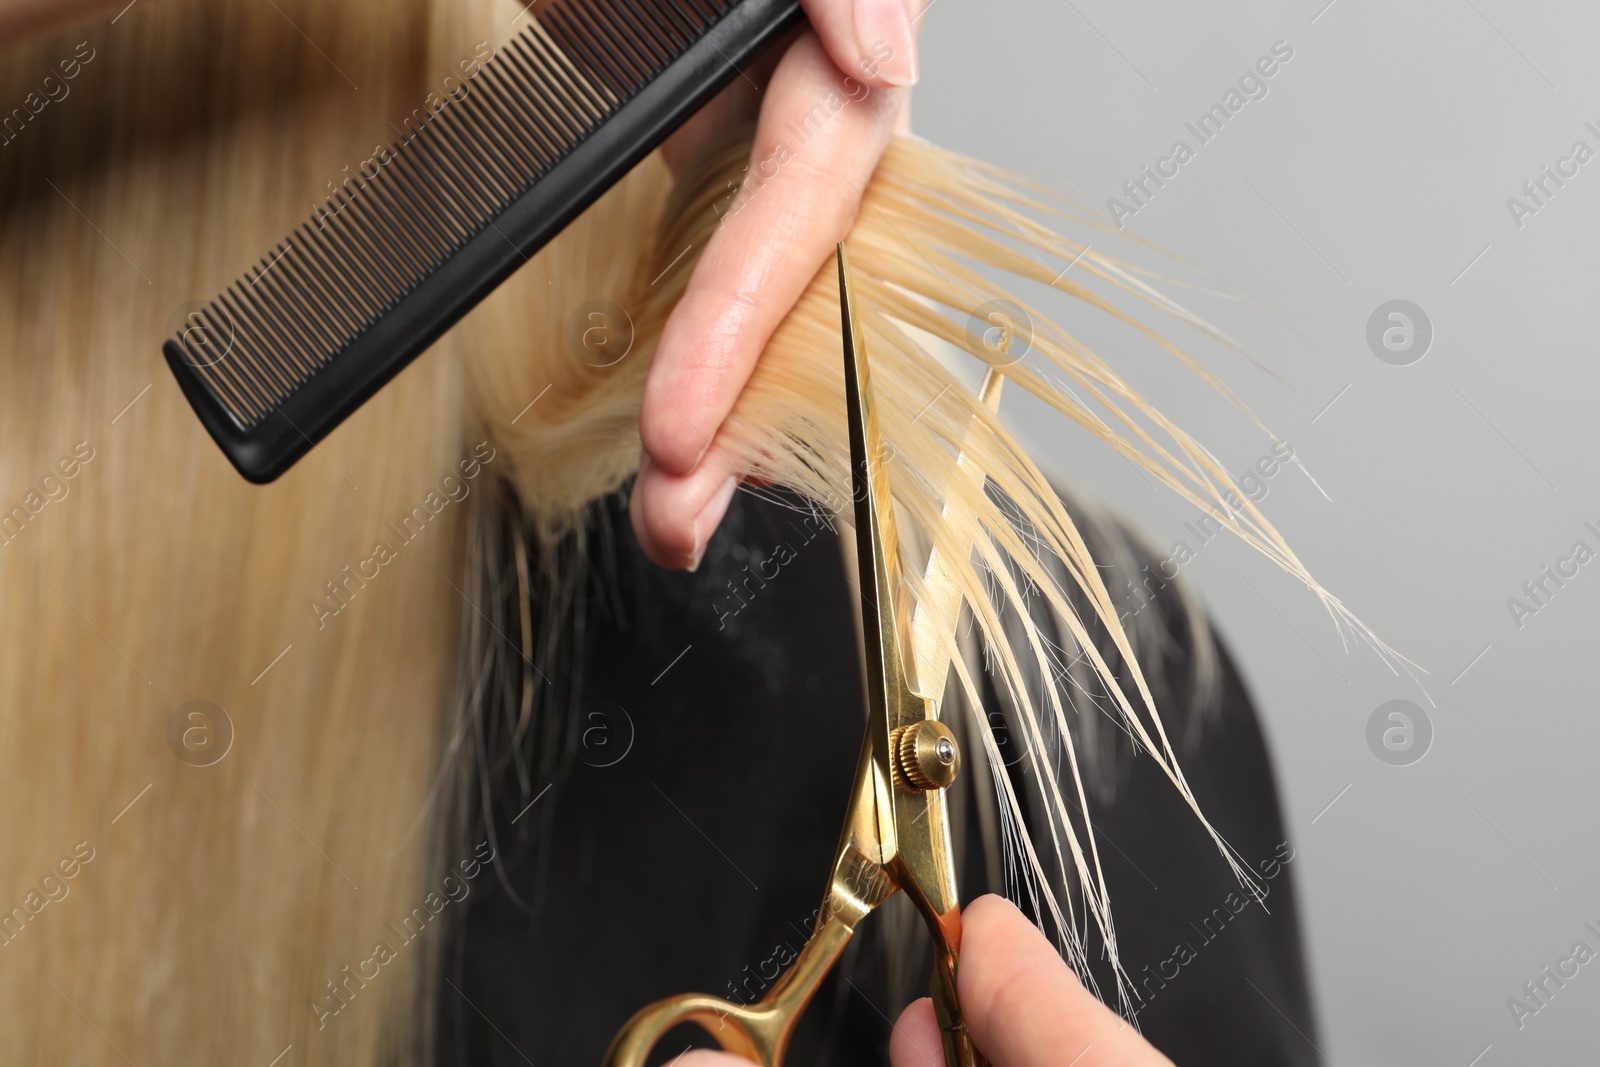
[439,218]
[455,172]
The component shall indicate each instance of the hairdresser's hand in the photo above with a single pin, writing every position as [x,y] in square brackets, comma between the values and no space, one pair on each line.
[808,176]
[1023,1006]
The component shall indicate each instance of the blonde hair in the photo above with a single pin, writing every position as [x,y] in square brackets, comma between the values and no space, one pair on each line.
[222,904]
[929,219]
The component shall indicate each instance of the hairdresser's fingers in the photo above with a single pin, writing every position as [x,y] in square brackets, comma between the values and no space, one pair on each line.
[915,1039]
[735,105]
[701,1057]
[674,515]
[872,40]
[1023,1006]
[816,146]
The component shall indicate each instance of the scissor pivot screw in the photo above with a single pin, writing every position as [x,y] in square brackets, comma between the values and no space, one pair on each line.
[926,756]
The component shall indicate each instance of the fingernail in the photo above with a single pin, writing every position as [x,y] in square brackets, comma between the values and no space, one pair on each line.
[883,33]
[700,456]
[705,523]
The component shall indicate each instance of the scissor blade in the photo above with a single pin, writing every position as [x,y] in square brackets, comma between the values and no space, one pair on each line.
[913,829]
[937,612]
[890,703]
[876,539]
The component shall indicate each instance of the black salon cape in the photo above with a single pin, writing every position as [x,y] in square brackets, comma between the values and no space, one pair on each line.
[689,848]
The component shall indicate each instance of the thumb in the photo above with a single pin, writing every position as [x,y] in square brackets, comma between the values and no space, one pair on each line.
[1022,1004]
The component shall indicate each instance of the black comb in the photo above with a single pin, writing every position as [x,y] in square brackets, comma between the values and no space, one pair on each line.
[361,289]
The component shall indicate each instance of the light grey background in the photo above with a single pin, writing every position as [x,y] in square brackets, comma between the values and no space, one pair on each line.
[1377,168]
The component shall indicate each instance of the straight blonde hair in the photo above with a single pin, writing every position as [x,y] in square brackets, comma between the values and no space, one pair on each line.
[233,908]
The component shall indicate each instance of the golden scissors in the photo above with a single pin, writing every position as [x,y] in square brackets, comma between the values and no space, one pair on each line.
[897,832]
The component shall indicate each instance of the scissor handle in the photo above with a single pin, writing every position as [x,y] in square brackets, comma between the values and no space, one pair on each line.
[747,1031]
[758,1031]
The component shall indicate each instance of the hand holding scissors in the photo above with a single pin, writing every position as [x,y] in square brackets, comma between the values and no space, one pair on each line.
[897,832]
